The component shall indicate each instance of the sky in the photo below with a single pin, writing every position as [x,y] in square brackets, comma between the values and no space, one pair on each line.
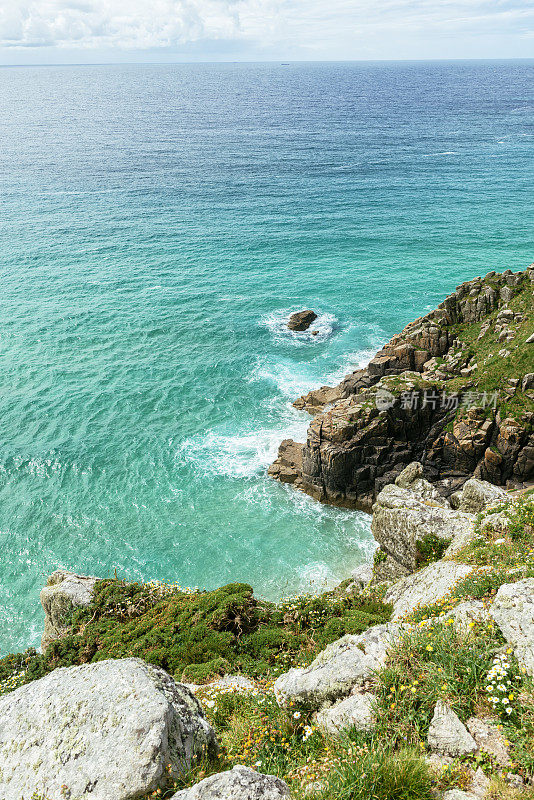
[96,31]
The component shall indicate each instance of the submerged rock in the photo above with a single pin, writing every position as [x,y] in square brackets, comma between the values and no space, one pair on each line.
[340,667]
[115,729]
[239,783]
[447,735]
[63,593]
[301,320]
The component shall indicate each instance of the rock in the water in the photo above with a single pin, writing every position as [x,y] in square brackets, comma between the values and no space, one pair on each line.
[115,729]
[355,711]
[489,739]
[426,586]
[63,593]
[239,783]
[478,495]
[447,735]
[301,320]
[513,611]
[339,668]
[401,519]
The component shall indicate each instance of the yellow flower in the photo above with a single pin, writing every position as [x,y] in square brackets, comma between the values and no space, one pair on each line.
[429,647]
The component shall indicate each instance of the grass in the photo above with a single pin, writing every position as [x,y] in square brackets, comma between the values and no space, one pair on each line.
[196,636]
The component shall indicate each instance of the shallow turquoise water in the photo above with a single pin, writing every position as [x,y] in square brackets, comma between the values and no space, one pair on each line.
[158,224]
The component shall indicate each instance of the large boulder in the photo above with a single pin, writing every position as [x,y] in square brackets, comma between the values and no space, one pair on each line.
[412,479]
[402,519]
[513,611]
[355,711]
[340,667]
[301,320]
[424,587]
[447,735]
[63,593]
[115,729]
[239,783]
[479,495]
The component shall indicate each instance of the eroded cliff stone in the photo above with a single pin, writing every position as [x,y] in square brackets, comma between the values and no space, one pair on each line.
[63,593]
[115,729]
[239,783]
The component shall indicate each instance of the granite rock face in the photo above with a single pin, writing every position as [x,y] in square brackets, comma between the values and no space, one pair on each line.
[355,711]
[513,611]
[340,667]
[402,520]
[447,735]
[424,587]
[239,783]
[478,495]
[115,729]
[63,593]
[382,417]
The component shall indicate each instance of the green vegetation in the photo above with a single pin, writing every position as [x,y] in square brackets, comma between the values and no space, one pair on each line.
[197,636]
[430,548]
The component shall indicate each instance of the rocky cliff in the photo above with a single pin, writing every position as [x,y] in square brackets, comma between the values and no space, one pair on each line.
[454,390]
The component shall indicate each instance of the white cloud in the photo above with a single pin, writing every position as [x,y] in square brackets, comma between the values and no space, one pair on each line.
[317,25]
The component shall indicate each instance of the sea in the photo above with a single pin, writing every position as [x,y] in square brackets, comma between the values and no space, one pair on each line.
[158,224]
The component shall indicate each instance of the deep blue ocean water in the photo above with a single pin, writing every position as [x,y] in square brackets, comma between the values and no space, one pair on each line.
[157,226]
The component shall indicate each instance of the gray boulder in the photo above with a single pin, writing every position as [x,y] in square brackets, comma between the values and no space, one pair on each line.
[478,495]
[513,611]
[489,738]
[301,320]
[239,783]
[340,667]
[115,729]
[426,586]
[362,575]
[355,711]
[447,735]
[458,794]
[63,593]
[412,479]
[401,519]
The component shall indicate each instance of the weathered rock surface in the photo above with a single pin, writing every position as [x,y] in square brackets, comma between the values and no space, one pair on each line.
[355,711]
[382,417]
[478,495]
[426,586]
[301,320]
[402,519]
[447,735]
[63,593]
[513,611]
[458,794]
[489,738]
[340,667]
[239,783]
[105,730]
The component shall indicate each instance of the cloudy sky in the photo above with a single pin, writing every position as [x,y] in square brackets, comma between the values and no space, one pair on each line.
[57,31]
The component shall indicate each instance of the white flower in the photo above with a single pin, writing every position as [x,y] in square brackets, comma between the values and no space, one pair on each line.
[297,715]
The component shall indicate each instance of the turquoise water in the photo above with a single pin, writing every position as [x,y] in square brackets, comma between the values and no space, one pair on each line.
[158,224]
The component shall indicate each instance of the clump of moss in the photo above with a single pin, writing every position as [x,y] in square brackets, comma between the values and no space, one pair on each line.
[196,636]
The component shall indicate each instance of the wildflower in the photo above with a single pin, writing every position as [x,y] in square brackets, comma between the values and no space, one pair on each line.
[297,715]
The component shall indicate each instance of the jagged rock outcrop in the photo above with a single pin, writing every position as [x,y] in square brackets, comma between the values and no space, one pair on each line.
[340,667]
[115,729]
[63,593]
[355,711]
[398,409]
[447,735]
[239,783]
[513,611]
